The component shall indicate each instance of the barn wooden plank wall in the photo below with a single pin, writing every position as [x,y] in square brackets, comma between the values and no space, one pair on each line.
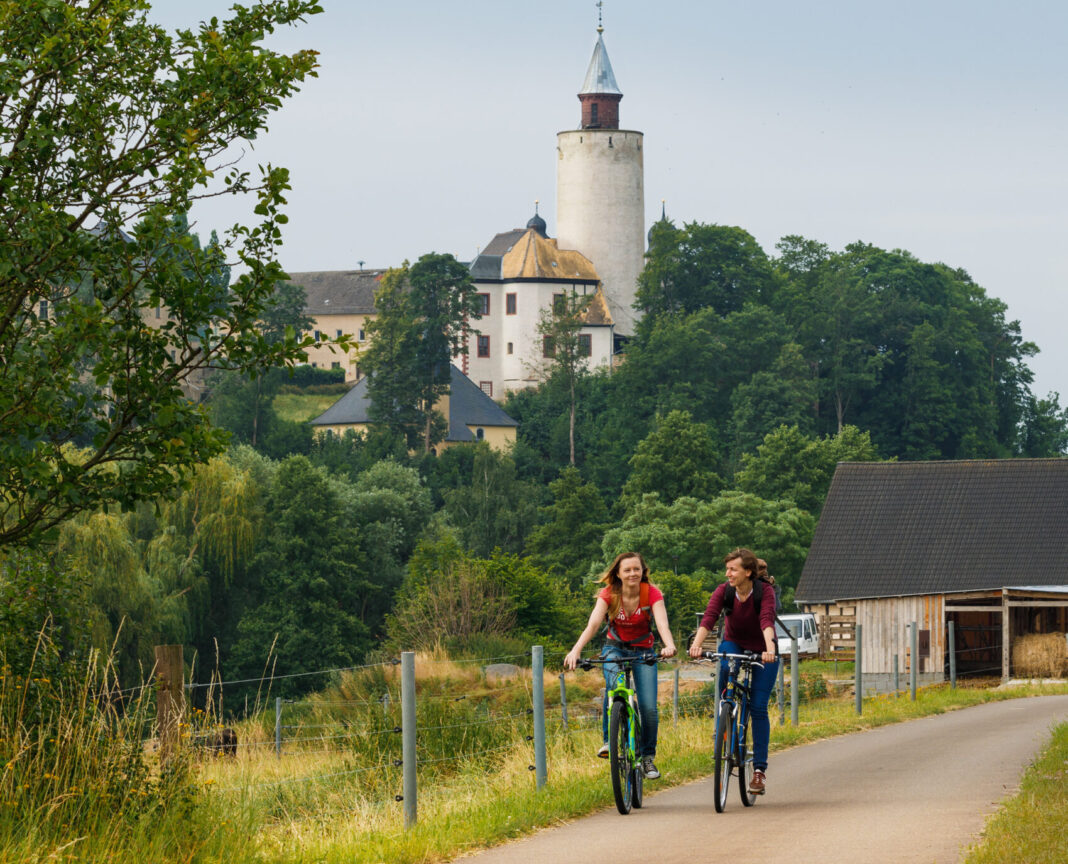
[884,634]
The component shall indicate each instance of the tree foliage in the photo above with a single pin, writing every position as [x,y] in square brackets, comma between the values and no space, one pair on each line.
[423,313]
[108,122]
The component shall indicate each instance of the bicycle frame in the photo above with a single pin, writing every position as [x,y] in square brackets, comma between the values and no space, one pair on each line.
[626,769]
[732,755]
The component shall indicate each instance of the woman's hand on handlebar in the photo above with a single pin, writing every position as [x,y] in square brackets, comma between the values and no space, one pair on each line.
[572,658]
[668,651]
[695,651]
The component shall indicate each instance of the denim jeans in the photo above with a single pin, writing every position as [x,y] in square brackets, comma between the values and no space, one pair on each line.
[763,681]
[644,685]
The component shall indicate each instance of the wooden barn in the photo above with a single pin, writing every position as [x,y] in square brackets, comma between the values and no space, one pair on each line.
[982,543]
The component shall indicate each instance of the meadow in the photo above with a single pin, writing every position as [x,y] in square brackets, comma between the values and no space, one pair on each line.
[82,781]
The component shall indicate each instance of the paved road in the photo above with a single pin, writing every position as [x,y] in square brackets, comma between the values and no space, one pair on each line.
[912,792]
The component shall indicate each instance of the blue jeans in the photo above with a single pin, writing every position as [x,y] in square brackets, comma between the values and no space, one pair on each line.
[763,681]
[644,685]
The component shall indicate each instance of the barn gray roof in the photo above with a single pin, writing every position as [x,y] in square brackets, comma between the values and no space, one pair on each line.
[904,528]
[468,406]
[340,292]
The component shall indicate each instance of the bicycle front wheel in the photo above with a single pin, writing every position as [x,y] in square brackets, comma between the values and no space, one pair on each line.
[745,761]
[636,771]
[721,755]
[618,735]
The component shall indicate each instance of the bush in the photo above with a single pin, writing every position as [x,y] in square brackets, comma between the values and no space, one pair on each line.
[309,376]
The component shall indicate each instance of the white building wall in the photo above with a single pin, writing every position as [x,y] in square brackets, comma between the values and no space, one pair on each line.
[600,210]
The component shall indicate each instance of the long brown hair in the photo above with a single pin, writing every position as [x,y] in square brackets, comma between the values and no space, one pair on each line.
[611,578]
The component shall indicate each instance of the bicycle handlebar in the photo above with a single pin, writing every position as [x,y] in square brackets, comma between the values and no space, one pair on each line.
[588,663]
[750,658]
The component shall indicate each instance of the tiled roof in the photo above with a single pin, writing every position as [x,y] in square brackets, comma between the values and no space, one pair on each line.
[904,528]
[339,292]
[597,313]
[468,406]
[536,257]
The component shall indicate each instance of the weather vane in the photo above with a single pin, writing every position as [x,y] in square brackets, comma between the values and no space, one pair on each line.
[600,8]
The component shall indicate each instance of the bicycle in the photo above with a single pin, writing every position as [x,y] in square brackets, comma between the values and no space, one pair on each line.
[733,727]
[624,732]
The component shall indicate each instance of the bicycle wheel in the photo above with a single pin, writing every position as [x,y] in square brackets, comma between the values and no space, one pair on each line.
[721,754]
[618,733]
[637,773]
[745,760]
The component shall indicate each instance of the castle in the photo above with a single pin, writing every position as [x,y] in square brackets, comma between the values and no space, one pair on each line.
[522,274]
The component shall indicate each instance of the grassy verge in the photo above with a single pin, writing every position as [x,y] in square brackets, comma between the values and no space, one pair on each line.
[301,407]
[1031,827]
[484,804]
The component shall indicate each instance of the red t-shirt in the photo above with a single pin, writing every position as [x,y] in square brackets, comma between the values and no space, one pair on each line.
[637,628]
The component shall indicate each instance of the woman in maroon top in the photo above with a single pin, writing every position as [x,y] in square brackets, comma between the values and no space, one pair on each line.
[630,634]
[747,630]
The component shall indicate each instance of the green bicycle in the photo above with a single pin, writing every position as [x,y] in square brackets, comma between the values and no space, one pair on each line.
[624,732]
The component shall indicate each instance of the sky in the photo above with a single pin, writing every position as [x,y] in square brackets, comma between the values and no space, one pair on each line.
[939,127]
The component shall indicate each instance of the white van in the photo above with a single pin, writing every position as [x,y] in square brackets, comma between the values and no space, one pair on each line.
[803,626]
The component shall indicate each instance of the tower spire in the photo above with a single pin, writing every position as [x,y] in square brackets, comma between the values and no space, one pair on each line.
[600,21]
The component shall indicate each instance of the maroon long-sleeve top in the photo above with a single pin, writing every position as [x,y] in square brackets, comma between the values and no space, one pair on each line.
[743,627]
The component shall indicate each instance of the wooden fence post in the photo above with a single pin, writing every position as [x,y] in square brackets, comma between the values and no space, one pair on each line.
[170,699]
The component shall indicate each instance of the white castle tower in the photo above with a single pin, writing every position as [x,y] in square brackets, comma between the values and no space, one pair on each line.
[600,190]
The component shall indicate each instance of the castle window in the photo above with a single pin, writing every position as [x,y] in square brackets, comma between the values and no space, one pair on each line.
[483,304]
[585,345]
[362,336]
[559,304]
[335,365]
[483,346]
[480,433]
[318,336]
[547,347]
[593,113]
[338,334]
[42,310]
[509,347]
[486,387]
[509,304]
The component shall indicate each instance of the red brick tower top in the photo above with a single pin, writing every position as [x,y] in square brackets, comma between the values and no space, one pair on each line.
[600,94]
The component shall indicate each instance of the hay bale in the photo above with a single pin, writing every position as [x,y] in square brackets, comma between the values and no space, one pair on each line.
[1040,655]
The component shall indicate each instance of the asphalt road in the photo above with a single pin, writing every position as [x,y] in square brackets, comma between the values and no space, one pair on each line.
[919,791]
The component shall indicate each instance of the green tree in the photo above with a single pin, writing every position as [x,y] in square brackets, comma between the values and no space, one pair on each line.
[570,538]
[694,535]
[422,322]
[792,466]
[561,328]
[782,395]
[312,576]
[702,266]
[1044,428]
[494,509]
[107,121]
[673,461]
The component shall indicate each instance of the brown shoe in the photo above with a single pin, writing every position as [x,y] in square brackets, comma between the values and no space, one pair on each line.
[756,785]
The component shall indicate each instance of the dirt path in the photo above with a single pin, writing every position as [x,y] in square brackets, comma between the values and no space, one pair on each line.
[912,792]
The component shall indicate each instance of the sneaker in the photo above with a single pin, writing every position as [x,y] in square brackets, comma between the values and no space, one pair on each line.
[649,769]
[602,753]
[756,785]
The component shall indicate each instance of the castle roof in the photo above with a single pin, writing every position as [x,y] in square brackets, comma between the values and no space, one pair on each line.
[339,292]
[468,406]
[527,254]
[599,76]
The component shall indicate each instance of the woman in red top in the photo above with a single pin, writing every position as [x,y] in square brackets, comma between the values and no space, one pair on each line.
[630,634]
[748,630]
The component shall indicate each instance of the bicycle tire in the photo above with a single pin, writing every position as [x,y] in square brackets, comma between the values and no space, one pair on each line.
[721,754]
[638,783]
[618,733]
[745,760]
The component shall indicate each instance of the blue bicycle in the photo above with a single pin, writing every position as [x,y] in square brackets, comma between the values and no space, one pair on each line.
[733,727]
[624,732]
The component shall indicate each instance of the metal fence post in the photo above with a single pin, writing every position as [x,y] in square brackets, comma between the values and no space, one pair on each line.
[952,656]
[795,678]
[537,663]
[408,757]
[563,702]
[914,661]
[675,700]
[897,677]
[278,725]
[858,672]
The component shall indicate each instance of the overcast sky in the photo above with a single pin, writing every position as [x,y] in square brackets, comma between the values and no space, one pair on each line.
[940,127]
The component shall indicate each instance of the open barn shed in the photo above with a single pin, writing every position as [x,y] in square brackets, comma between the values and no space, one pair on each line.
[981,543]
